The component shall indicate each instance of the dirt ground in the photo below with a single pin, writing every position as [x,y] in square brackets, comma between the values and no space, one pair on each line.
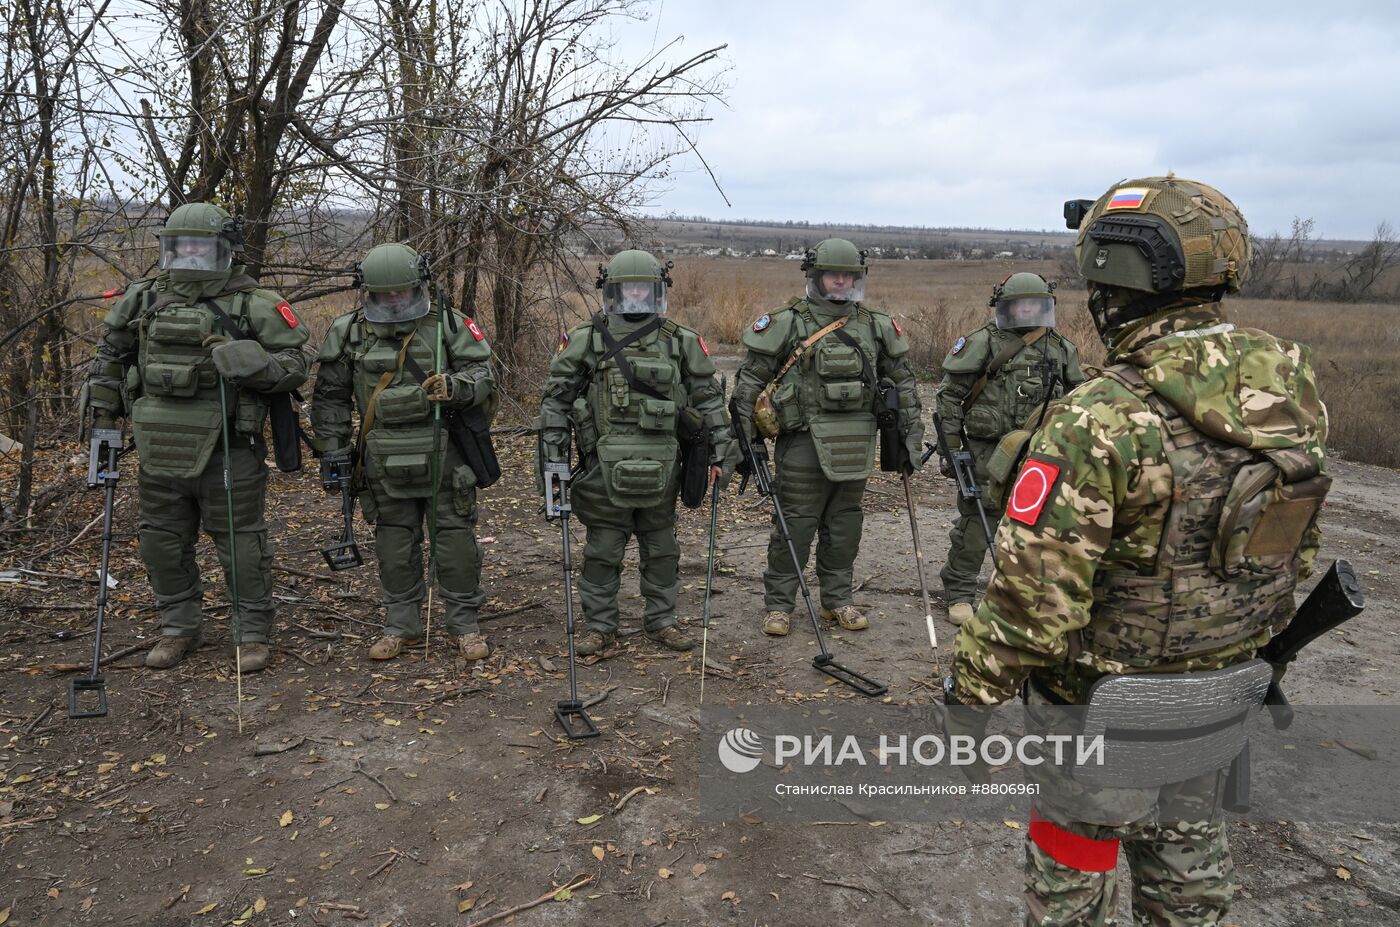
[415,793]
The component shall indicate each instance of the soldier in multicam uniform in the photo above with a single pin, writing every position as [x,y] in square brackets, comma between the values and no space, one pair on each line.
[1121,551]
[820,407]
[994,380]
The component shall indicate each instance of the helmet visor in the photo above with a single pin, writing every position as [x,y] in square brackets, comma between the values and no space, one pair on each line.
[635,297]
[836,286]
[393,306]
[202,253]
[1026,312]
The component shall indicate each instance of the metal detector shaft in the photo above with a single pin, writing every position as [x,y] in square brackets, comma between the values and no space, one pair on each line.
[823,661]
[709,586]
[570,714]
[110,442]
[919,568]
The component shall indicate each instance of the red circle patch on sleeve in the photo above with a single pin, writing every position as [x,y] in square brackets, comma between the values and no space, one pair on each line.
[476,332]
[285,311]
[703,346]
[1032,491]
[897,330]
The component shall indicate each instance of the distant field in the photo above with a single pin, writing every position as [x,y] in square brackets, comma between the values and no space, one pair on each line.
[1356,347]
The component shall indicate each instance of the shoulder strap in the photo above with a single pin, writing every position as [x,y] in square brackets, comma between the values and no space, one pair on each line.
[810,340]
[1002,356]
[385,378]
[225,321]
[615,352]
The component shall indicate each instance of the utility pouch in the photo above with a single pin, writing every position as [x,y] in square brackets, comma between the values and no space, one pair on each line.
[180,326]
[777,409]
[250,415]
[1004,464]
[695,457]
[463,490]
[1267,512]
[176,438]
[657,415]
[845,396]
[400,463]
[180,381]
[401,405]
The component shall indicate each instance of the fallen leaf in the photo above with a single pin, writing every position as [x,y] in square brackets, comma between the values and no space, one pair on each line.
[664,873]
[1344,873]
[392,722]
[260,905]
[87,904]
[563,894]
[52,893]
[382,805]
[255,871]
[1014,825]
[285,819]
[591,819]
[730,896]
[465,905]
[4,916]
[698,870]
[243,918]
[207,908]
[463,887]
[326,821]
[599,853]
[104,768]
[20,780]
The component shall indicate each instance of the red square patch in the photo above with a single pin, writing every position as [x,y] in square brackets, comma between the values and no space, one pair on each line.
[1032,490]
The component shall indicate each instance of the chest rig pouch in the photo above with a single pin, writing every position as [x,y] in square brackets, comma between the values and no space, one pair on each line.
[398,439]
[839,391]
[1230,505]
[176,420]
[634,397]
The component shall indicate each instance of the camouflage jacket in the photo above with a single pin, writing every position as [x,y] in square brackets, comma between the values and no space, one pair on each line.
[1108,492]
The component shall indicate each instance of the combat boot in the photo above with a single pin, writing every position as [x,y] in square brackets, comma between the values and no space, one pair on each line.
[588,642]
[169,651]
[847,616]
[672,637]
[253,658]
[960,612]
[776,624]
[388,647]
[472,646]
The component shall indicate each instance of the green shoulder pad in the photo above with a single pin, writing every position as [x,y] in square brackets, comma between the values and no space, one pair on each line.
[969,353]
[892,340]
[273,321]
[337,338]
[696,352]
[574,351]
[126,307]
[469,342]
[771,332]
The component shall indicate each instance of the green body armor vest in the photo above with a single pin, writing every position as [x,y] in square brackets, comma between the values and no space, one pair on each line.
[176,419]
[636,444]
[399,445]
[830,392]
[1227,562]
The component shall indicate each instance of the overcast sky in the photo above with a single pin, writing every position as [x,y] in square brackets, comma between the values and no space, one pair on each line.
[992,114]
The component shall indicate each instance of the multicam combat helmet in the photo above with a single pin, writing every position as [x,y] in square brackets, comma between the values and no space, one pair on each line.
[197,242]
[634,283]
[835,271]
[395,279]
[1024,301]
[1157,237]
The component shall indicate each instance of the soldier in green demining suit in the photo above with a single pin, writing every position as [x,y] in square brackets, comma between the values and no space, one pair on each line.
[628,385]
[380,359]
[170,340]
[994,380]
[811,380]
[1154,536]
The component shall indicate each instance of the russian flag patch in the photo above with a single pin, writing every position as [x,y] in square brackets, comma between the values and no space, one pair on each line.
[1127,198]
[1032,490]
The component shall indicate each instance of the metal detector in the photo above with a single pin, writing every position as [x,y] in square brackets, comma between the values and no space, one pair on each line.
[570,713]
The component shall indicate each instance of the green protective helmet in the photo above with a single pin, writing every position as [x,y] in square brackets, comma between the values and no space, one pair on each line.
[634,283]
[835,271]
[198,241]
[1024,301]
[1163,235]
[395,281]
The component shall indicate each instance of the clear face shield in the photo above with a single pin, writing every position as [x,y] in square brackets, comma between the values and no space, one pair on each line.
[199,253]
[836,286]
[394,306]
[1024,312]
[635,297]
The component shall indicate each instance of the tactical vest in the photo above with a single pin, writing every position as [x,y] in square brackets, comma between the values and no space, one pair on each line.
[400,443]
[1228,558]
[176,420]
[1016,391]
[830,392]
[635,432]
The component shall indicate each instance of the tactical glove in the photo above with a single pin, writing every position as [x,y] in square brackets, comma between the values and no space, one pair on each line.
[439,388]
[239,360]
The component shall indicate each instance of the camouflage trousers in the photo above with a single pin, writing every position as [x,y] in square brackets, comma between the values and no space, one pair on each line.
[172,511]
[816,509]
